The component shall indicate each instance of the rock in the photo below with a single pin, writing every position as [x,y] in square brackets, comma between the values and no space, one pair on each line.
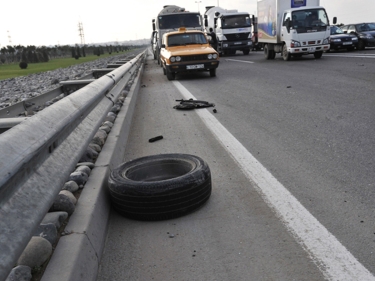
[57,218]
[79,177]
[20,273]
[63,203]
[70,195]
[47,231]
[84,169]
[37,252]
[71,186]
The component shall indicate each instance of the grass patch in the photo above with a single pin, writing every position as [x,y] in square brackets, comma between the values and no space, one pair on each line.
[13,70]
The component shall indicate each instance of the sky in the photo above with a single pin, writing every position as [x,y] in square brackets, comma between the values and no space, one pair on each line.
[46,23]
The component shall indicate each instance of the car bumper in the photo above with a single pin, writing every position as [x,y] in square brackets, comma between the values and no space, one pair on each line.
[370,42]
[341,45]
[236,45]
[309,49]
[192,66]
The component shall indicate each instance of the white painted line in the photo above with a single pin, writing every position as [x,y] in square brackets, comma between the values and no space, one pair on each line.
[240,61]
[352,56]
[331,257]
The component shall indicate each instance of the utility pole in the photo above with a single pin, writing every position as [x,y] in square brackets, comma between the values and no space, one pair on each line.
[9,38]
[81,34]
[198,5]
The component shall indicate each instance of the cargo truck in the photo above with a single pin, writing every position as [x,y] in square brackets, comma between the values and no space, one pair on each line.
[169,19]
[231,28]
[293,28]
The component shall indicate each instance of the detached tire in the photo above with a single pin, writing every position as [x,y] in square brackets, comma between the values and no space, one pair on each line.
[160,187]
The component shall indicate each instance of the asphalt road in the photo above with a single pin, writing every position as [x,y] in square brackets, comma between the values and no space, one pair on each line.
[291,150]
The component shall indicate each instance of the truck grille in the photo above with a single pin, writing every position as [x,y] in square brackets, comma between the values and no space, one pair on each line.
[237,36]
[193,57]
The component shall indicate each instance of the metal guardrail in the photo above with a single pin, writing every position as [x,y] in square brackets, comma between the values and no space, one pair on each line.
[38,155]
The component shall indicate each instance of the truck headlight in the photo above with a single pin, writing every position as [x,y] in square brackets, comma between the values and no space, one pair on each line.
[294,44]
[326,41]
[225,45]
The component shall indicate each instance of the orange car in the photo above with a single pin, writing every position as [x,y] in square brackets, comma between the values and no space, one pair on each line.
[186,51]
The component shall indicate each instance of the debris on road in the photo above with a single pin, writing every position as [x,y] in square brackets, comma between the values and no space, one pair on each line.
[155,139]
[193,104]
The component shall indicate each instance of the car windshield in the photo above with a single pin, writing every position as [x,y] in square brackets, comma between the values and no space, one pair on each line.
[336,30]
[365,27]
[186,39]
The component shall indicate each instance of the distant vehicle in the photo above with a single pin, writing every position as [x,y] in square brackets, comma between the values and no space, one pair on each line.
[365,33]
[231,28]
[340,40]
[292,28]
[171,18]
[187,51]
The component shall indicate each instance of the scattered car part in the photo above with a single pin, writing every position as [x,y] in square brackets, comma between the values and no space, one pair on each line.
[192,104]
[159,187]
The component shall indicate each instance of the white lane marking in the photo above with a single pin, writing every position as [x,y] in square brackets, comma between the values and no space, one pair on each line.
[331,257]
[352,56]
[240,61]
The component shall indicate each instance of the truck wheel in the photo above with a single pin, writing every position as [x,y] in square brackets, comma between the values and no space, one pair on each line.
[286,54]
[213,72]
[268,54]
[159,187]
[318,55]
[246,52]
[170,75]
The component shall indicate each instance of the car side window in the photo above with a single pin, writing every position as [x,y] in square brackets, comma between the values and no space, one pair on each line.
[344,28]
[351,29]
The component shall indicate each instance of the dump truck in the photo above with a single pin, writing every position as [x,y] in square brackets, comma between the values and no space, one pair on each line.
[293,28]
[230,30]
[169,19]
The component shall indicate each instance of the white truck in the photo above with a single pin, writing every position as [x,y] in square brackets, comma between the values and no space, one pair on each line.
[231,28]
[171,18]
[293,28]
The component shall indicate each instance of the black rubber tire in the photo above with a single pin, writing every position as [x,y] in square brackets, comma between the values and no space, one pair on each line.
[318,55]
[286,54]
[246,52]
[268,54]
[361,45]
[160,187]
[170,75]
[213,72]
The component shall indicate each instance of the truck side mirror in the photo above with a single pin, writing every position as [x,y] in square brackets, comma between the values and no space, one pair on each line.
[288,24]
[253,19]
[215,22]
[205,21]
[334,20]
[153,25]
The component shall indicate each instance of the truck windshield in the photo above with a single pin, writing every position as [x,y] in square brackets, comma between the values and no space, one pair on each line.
[186,39]
[174,21]
[311,20]
[235,21]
